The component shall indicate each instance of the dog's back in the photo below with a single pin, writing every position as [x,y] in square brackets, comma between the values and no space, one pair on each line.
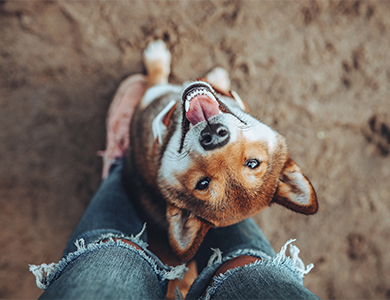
[144,154]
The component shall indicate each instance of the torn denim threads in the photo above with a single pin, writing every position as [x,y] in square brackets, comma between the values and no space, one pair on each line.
[276,277]
[108,270]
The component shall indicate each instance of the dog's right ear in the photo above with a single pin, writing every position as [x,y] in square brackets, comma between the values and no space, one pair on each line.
[186,232]
[295,191]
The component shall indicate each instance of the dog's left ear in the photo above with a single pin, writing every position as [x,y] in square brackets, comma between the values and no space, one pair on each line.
[186,232]
[295,191]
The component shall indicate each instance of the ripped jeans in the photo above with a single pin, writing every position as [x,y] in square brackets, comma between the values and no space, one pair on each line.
[99,263]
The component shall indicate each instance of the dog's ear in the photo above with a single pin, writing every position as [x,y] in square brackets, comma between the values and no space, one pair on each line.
[186,232]
[295,191]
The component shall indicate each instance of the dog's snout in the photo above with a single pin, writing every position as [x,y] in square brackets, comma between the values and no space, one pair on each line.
[214,136]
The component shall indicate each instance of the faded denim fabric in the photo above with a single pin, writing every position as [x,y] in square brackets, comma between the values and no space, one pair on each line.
[95,265]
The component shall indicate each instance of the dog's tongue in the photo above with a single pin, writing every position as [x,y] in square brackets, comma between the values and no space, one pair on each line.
[201,109]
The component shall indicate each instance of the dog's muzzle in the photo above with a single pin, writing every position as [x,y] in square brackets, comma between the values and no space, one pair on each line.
[214,136]
[200,104]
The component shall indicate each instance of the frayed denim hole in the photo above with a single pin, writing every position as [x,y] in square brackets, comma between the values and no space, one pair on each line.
[46,274]
[288,265]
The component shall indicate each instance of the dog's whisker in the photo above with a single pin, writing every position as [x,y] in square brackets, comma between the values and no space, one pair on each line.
[225,109]
[185,129]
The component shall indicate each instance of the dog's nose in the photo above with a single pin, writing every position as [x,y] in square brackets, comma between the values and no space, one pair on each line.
[214,136]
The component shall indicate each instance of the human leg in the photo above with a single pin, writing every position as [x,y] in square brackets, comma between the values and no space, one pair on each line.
[109,212]
[243,265]
[106,256]
[110,270]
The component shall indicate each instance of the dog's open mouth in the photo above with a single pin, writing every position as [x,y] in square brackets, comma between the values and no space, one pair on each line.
[200,103]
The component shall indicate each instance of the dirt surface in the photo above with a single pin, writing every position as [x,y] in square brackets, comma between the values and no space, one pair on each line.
[318,72]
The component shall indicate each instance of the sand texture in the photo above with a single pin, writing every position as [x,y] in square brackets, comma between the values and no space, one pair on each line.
[316,71]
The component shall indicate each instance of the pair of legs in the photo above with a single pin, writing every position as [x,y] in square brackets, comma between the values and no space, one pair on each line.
[107,255]
[107,258]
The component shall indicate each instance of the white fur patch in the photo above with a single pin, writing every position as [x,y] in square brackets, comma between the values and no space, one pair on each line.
[157,50]
[173,163]
[156,53]
[239,100]
[261,132]
[304,196]
[157,91]
[158,126]
[219,78]
[183,241]
[254,130]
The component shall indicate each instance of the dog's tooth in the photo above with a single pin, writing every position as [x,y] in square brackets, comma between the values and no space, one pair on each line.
[210,95]
[199,91]
[187,105]
[190,96]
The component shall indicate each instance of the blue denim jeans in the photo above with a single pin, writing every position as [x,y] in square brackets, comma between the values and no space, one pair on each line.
[98,264]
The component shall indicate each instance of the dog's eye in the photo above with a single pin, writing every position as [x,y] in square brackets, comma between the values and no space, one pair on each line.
[252,163]
[203,184]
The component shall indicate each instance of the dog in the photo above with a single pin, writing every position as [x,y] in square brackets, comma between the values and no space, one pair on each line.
[198,159]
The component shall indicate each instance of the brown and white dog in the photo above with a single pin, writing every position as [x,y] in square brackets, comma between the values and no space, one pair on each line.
[197,159]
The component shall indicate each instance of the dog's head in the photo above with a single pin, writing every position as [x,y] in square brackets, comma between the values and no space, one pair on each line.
[222,167]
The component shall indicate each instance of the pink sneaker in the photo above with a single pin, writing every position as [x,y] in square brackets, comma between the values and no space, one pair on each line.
[119,115]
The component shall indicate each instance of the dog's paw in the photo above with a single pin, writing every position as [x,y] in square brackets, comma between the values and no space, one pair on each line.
[219,78]
[157,52]
[157,59]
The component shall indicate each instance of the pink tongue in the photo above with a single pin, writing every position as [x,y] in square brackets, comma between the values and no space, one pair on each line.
[201,109]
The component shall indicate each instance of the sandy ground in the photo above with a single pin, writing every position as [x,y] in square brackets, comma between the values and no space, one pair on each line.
[316,71]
